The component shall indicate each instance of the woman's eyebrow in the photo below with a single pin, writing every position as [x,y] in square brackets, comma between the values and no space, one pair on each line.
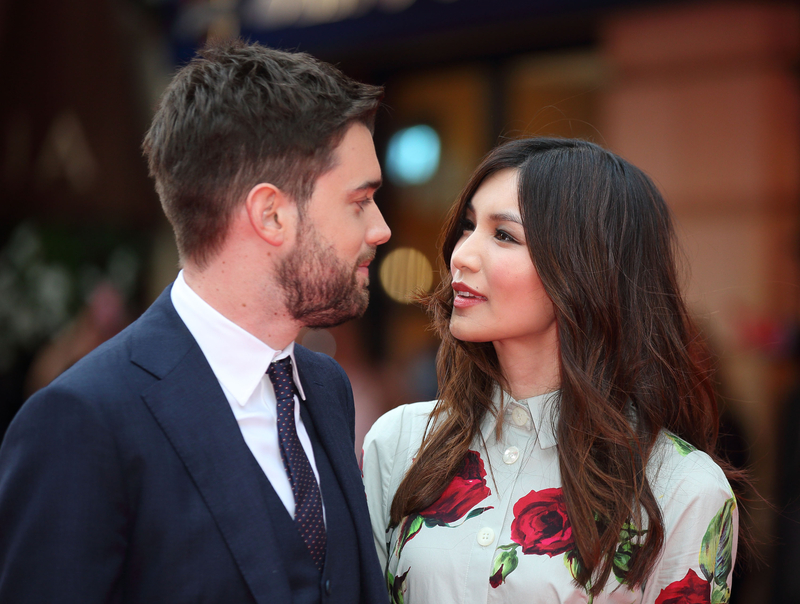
[506,217]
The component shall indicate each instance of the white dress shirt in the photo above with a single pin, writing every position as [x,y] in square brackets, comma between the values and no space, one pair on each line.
[239,361]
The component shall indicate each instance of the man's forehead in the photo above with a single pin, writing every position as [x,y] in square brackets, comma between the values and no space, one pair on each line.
[355,159]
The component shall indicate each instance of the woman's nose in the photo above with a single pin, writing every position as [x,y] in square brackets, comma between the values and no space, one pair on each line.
[466,256]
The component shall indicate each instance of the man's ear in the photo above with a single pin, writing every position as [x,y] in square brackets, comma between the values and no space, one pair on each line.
[272,213]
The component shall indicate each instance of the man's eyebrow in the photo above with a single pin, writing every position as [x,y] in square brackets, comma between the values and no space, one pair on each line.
[372,184]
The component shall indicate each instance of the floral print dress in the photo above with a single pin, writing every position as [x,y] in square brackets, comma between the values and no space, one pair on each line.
[500,533]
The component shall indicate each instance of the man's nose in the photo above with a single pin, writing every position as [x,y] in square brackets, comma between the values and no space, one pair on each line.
[379,231]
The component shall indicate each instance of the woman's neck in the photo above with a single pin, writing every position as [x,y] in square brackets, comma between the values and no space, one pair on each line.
[529,370]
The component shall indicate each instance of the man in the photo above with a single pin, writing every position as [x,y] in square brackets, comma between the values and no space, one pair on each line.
[200,456]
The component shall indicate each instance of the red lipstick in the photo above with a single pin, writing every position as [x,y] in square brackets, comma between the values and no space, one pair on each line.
[466,297]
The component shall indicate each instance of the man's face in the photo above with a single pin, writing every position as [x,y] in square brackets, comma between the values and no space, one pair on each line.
[325,277]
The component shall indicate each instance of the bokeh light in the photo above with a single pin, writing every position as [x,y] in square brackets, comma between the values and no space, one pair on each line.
[404,272]
[412,156]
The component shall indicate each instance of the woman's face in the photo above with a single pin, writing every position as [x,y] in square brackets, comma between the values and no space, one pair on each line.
[498,294]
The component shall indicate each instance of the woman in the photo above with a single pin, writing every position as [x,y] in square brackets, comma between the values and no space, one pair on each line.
[570,456]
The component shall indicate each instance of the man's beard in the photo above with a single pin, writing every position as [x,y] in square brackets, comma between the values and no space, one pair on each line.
[319,289]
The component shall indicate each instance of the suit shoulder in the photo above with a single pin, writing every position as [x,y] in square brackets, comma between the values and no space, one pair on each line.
[58,420]
[318,362]
[96,383]
[96,372]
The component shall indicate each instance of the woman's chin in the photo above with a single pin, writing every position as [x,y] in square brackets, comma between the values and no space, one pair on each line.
[464,333]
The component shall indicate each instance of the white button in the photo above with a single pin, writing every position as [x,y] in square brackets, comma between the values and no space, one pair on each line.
[511,455]
[520,416]
[485,536]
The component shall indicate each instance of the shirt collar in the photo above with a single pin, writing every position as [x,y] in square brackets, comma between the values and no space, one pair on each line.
[238,359]
[542,409]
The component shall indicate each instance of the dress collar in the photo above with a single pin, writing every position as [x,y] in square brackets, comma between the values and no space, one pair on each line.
[540,409]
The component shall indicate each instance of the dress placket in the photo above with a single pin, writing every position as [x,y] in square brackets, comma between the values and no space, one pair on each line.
[509,460]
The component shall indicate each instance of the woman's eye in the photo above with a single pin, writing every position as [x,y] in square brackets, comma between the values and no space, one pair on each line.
[505,237]
[466,225]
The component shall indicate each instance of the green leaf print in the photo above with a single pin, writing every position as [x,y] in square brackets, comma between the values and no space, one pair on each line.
[623,559]
[477,512]
[504,565]
[433,522]
[572,562]
[716,553]
[397,587]
[626,551]
[681,446]
[411,526]
[629,531]
[720,594]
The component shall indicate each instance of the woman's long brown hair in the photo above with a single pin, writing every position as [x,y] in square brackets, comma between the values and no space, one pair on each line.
[602,241]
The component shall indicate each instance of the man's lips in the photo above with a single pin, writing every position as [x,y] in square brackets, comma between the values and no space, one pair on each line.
[466,296]
[363,265]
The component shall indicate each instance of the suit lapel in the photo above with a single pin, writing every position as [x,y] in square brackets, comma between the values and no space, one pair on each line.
[329,416]
[189,405]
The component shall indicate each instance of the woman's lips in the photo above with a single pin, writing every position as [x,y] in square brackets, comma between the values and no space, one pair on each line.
[466,297]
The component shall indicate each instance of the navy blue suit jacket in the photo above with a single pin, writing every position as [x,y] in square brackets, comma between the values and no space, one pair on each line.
[128,480]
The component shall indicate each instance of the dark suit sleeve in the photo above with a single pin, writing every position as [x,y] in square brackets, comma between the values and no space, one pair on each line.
[62,504]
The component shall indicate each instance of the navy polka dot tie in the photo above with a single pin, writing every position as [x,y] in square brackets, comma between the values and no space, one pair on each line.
[307,500]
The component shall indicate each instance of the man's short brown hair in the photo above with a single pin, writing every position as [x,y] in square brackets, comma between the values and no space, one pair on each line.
[240,114]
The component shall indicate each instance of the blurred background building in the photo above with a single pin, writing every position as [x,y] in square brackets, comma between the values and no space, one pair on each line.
[703,96]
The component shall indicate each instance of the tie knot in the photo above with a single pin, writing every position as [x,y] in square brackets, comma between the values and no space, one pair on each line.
[280,374]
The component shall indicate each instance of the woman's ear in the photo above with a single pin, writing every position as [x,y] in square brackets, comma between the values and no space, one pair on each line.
[272,213]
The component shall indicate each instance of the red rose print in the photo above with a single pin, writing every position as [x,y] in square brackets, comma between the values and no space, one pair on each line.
[540,523]
[466,490]
[689,590]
